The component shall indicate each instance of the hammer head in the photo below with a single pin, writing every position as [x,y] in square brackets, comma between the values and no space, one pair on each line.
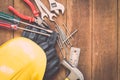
[75,73]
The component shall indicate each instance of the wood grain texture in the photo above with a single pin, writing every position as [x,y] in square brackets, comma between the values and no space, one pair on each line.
[4,33]
[78,17]
[104,65]
[97,37]
[118,39]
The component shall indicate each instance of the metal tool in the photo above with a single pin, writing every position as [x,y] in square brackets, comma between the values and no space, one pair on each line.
[75,73]
[74,56]
[40,4]
[67,30]
[70,36]
[62,36]
[36,17]
[43,14]
[56,7]
[14,19]
[15,27]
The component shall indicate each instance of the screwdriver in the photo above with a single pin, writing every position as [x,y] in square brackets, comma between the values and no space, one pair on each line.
[15,27]
[14,19]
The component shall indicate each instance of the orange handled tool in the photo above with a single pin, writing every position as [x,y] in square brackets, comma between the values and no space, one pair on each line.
[30,19]
[36,17]
[35,12]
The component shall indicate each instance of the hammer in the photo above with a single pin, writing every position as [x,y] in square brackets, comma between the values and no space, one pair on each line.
[75,74]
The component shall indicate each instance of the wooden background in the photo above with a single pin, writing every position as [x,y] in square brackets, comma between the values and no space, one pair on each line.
[98,37]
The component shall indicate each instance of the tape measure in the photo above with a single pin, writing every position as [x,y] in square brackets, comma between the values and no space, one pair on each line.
[74,56]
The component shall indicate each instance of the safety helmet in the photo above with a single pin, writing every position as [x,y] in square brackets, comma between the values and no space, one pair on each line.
[22,59]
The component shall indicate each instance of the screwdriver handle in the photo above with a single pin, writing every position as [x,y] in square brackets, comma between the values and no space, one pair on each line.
[34,10]
[30,19]
[7,25]
[8,17]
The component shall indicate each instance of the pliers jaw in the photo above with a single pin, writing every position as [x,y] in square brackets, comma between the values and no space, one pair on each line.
[38,20]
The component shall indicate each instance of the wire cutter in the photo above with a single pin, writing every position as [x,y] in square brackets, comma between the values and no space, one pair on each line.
[36,17]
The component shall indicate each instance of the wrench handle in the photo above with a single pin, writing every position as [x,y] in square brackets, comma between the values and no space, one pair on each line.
[34,10]
[30,19]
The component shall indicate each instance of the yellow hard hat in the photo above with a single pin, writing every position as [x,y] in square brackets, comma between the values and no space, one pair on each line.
[22,59]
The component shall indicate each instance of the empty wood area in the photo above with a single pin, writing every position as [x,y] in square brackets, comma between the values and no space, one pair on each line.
[98,22]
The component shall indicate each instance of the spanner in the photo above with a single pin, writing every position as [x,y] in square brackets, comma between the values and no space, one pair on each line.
[51,15]
[56,7]
[43,14]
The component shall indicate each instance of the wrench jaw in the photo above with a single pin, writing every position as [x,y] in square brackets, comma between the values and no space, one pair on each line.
[51,17]
[38,20]
[43,15]
[74,77]
[56,8]
[56,11]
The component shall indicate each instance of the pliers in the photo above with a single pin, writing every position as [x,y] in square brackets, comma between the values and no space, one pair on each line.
[36,17]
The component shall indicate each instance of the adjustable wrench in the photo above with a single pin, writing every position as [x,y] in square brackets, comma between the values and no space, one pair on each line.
[56,7]
[43,14]
[51,15]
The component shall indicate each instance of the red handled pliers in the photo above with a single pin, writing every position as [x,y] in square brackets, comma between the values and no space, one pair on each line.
[36,17]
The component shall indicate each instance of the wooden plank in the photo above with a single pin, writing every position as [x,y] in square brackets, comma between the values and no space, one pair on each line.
[104,65]
[118,39]
[79,17]
[23,8]
[4,33]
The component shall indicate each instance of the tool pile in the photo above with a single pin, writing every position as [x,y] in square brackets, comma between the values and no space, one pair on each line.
[39,31]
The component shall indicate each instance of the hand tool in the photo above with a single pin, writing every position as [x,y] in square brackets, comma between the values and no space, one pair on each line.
[67,29]
[35,19]
[62,35]
[75,73]
[70,36]
[26,33]
[14,19]
[74,56]
[56,7]
[51,15]
[43,14]
[33,36]
[15,27]
[40,38]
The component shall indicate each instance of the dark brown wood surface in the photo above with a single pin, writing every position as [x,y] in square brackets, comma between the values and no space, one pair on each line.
[98,22]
